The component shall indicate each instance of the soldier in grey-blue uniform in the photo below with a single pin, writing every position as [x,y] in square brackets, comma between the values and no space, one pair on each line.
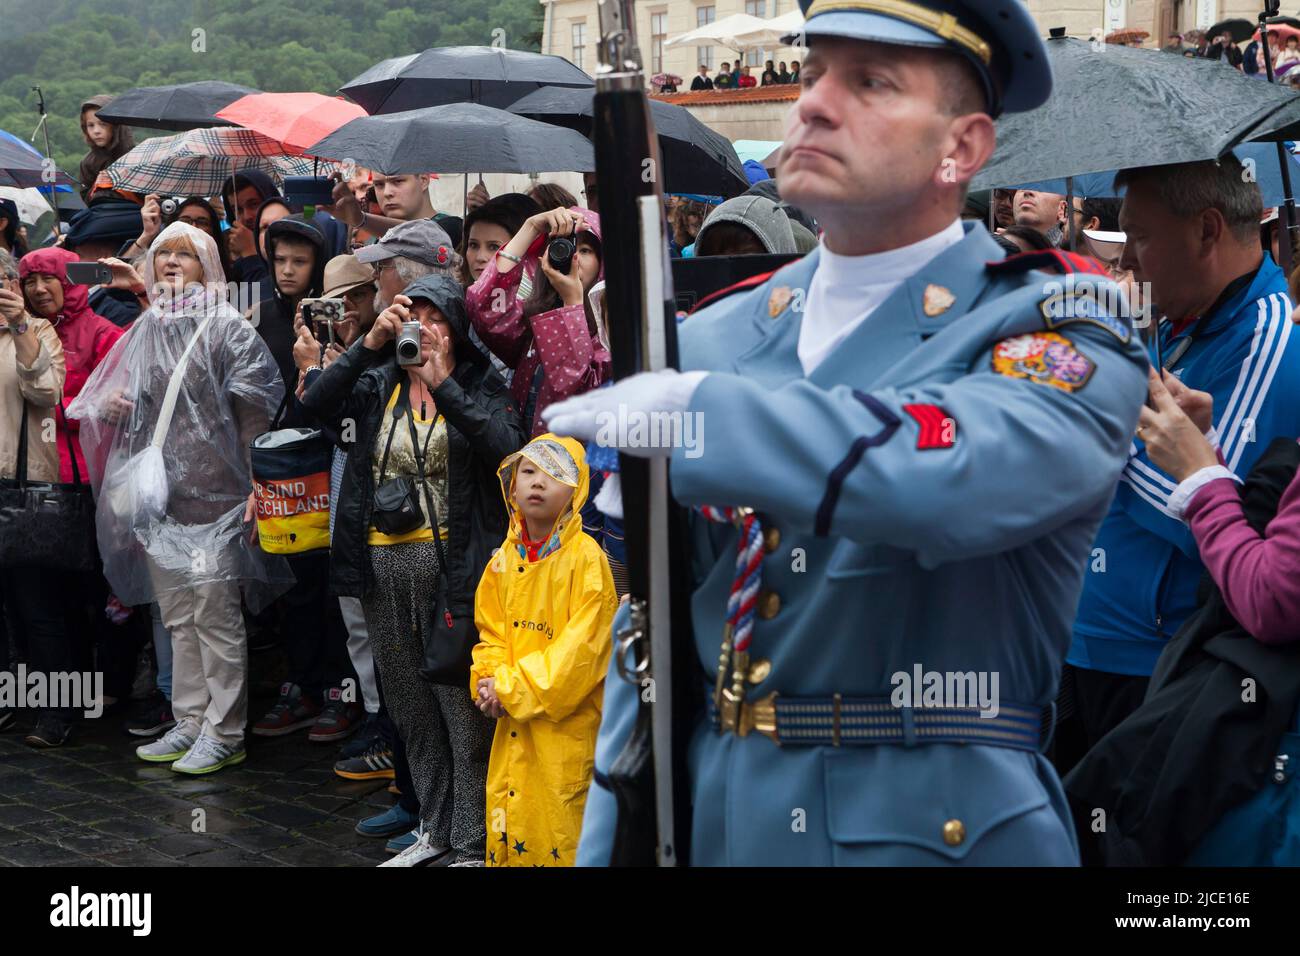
[929,436]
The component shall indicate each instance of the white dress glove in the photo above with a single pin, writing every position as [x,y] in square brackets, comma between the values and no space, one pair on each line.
[629,416]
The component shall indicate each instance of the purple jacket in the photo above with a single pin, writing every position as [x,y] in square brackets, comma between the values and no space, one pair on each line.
[1259,576]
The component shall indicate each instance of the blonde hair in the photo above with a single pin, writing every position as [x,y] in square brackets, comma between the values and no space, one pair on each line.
[179,242]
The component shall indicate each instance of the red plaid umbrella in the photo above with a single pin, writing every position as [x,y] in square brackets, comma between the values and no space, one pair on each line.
[295,120]
[197,162]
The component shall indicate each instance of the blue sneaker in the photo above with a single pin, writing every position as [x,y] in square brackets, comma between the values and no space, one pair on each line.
[391,822]
[404,842]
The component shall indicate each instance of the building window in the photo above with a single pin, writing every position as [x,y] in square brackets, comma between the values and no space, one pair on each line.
[703,17]
[658,34]
[579,42]
[756,8]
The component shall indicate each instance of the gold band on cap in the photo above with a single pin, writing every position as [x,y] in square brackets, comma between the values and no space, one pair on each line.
[944,25]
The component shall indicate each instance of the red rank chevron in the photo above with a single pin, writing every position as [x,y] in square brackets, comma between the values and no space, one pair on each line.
[938,428]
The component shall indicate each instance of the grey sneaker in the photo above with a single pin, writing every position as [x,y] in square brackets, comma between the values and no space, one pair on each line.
[170,746]
[421,853]
[208,755]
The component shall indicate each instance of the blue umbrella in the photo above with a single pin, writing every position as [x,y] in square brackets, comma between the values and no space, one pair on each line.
[21,164]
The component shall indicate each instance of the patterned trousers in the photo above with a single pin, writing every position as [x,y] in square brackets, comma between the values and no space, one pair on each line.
[448,740]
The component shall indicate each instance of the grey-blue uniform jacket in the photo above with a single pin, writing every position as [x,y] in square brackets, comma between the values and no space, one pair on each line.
[958,548]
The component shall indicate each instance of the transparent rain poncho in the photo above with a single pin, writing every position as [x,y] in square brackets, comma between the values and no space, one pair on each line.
[170,502]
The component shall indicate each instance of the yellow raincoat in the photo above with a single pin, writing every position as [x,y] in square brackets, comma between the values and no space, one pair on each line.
[544,635]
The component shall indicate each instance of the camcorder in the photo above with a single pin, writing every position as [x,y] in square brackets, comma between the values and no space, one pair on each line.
[322,315]
[408,344]
[559,253]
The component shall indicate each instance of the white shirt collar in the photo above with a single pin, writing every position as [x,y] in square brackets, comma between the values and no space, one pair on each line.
[892,265]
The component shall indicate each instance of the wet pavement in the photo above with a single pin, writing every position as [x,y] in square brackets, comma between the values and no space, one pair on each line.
[93,803]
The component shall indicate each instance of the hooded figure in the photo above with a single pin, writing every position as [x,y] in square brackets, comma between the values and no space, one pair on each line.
[100,157]
[544,611]
[761,217]
[274,315]
[87,339]
[557,351]
[227,389]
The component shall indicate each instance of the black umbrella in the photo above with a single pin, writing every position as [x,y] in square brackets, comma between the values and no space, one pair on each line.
[24,167]
[695,158]
[181,106]
[459,74]
[456,138]
[1238,28]
[1129,107]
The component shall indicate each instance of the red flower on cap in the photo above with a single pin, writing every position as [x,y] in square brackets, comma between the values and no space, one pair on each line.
[442,255]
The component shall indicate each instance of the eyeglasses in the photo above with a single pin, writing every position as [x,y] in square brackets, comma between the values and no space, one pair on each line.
[204,223]
[180,255]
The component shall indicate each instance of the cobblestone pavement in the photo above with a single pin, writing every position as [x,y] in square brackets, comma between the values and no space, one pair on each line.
[93,803]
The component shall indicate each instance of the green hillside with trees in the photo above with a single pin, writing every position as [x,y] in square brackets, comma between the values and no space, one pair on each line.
[74,49]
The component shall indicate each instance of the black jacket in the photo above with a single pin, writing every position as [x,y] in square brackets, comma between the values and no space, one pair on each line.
[1195,748]
[483,427]
[701,83]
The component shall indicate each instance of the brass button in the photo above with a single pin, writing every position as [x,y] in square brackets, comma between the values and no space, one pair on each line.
[954,832]
[771,539]
[759,670]
[769,605]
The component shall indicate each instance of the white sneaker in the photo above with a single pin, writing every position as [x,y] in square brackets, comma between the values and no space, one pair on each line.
[209,755]
[421,853]
[469,863]
[170,746]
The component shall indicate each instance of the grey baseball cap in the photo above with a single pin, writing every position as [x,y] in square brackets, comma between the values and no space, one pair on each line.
[420,239]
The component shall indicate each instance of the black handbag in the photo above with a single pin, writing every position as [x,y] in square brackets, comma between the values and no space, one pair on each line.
[396,508]
[43,524]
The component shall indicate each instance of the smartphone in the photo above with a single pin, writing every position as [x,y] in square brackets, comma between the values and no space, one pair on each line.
[323,314]
[89,273]
[308,190]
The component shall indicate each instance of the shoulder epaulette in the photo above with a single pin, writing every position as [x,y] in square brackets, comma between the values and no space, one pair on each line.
[1048,260]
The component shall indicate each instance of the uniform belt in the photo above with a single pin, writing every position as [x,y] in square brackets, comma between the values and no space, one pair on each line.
[866,721]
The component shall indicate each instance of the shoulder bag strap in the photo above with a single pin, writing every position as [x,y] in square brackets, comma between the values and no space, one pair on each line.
[420,454]
[20,464]
[403,399]
[174,386]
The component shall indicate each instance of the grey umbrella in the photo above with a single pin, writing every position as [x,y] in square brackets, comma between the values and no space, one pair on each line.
[459,74]
[181,106]
[1115,107]
[695,158]
[456,138]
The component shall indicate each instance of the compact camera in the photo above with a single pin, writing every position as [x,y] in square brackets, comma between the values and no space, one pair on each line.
[408,344]
[559,253]
[169,207]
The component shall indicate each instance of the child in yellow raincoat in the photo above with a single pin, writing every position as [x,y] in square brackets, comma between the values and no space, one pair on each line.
[544,608]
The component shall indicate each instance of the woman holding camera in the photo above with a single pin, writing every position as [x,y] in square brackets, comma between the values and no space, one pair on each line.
[427,433]
[556,339]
